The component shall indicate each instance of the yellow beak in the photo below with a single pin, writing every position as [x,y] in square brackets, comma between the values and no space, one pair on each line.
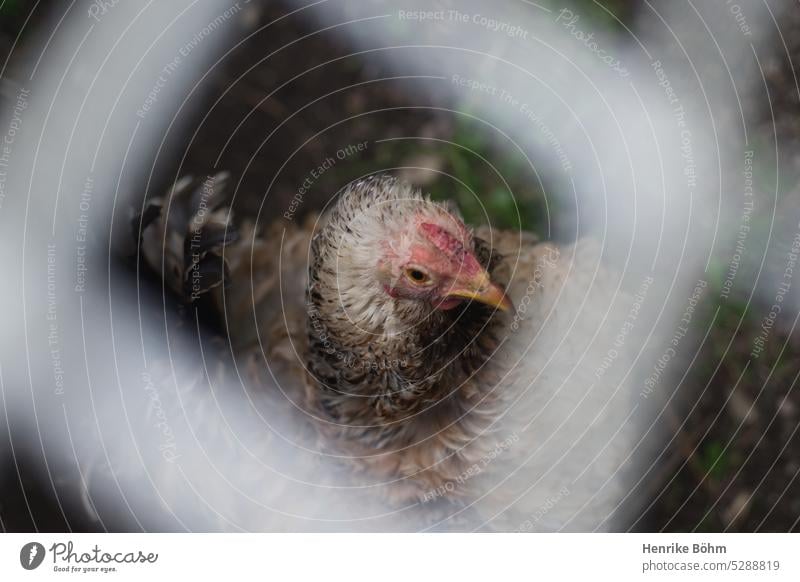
[481,289]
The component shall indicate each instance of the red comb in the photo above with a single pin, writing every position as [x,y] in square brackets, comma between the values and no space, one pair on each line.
[452,247]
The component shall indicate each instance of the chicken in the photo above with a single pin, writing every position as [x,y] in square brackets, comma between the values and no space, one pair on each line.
[414,347]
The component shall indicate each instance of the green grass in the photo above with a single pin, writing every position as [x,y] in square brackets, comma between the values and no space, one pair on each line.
[714,460]
[489,184]
[498,188]
[10,7]
[485,197]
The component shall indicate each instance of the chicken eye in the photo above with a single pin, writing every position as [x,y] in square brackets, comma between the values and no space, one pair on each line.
[418,277]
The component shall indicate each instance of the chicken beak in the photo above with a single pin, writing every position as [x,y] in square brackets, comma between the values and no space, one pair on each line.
[480,288]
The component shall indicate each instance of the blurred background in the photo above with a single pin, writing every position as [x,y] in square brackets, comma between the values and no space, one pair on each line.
[289,85]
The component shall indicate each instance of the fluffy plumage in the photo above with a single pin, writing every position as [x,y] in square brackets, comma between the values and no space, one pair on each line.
[430,403]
